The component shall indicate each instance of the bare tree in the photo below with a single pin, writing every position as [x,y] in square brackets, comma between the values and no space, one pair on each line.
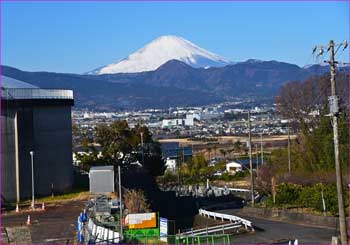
[298,100]
[136,202]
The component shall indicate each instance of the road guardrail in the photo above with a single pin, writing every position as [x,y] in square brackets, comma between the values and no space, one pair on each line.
[232,218]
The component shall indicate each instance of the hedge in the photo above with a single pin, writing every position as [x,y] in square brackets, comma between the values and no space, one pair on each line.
[293,195]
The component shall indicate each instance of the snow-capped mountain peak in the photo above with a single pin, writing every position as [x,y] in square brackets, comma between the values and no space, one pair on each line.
[161,50]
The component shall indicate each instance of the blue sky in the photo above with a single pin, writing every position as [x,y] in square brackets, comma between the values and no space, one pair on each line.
[80,36]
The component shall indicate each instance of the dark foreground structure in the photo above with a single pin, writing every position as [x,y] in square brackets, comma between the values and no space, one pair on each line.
[38,120]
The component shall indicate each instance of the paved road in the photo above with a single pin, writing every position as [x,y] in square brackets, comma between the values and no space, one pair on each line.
[267,231]
[55,225]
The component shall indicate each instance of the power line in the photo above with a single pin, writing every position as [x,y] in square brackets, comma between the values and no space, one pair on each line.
[307,60]
[340,54]
[323,54]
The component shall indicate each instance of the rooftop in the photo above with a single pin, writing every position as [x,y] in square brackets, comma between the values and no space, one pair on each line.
[101,168]
[12,89]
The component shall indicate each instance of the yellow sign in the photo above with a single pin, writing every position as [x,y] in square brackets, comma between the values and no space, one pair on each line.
[140,221]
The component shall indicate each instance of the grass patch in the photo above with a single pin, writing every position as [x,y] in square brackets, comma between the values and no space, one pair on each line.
[76,194]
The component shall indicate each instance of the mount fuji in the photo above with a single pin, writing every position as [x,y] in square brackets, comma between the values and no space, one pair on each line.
[161,50]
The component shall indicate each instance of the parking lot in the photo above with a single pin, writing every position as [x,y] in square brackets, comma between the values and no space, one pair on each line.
[57,224]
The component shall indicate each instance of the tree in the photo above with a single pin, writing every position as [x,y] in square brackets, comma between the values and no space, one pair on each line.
[312,153]
[237,145]
[153,160]
[215,149]
[313,149]
[209,151]
[121,146]
[117,142]
[230,151]
[298,99]
[223,152]
[196,168]
[136,202]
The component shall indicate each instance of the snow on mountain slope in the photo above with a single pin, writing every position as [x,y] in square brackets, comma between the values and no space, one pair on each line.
[161,50]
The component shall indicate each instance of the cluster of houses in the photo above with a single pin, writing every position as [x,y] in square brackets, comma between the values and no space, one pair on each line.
[173,153]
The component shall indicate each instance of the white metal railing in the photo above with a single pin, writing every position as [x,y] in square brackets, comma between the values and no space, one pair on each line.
[233,189]
[229,217]
[35,93]
[257,195]
[212,229]
[101,235]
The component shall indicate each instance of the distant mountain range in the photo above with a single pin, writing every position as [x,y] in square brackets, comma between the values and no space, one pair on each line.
[171,71]
[174,83]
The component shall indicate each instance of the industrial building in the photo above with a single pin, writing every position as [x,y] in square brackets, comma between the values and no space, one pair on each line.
[38,120]
[190,120]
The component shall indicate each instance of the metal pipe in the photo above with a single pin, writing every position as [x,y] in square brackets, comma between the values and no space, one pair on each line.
[32,160]
[143,157]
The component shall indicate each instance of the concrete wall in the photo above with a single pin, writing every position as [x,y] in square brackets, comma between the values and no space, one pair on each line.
[293,217]
[46,129]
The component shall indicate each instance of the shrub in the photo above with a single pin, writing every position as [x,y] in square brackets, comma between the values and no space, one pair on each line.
[136,202]
[307,197]
[288,194]
[169,176]
[311,197]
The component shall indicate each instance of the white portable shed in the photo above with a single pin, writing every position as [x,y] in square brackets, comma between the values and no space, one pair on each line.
[101,179]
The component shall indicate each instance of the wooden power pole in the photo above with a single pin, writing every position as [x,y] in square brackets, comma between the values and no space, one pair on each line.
[250,161]
[262,150]
[334,112]
[289,168]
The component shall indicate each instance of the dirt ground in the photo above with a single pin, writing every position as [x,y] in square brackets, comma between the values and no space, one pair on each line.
[57,224]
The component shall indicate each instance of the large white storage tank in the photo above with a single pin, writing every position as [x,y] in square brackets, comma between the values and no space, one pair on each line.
[39,120]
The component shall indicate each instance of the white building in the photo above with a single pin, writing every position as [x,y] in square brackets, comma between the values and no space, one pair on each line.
[170,164]
[233,167]
[188,121]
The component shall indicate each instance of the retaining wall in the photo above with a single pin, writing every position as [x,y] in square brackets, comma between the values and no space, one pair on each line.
[286,215]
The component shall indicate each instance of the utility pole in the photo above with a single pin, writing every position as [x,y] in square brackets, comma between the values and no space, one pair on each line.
[334,111]
[183,155]
[257,158]
[262,150]
[120,206]
[143,157]
[288,151]
[250,161]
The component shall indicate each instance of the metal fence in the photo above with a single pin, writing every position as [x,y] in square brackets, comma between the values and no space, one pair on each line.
[100,235]
[175,239]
